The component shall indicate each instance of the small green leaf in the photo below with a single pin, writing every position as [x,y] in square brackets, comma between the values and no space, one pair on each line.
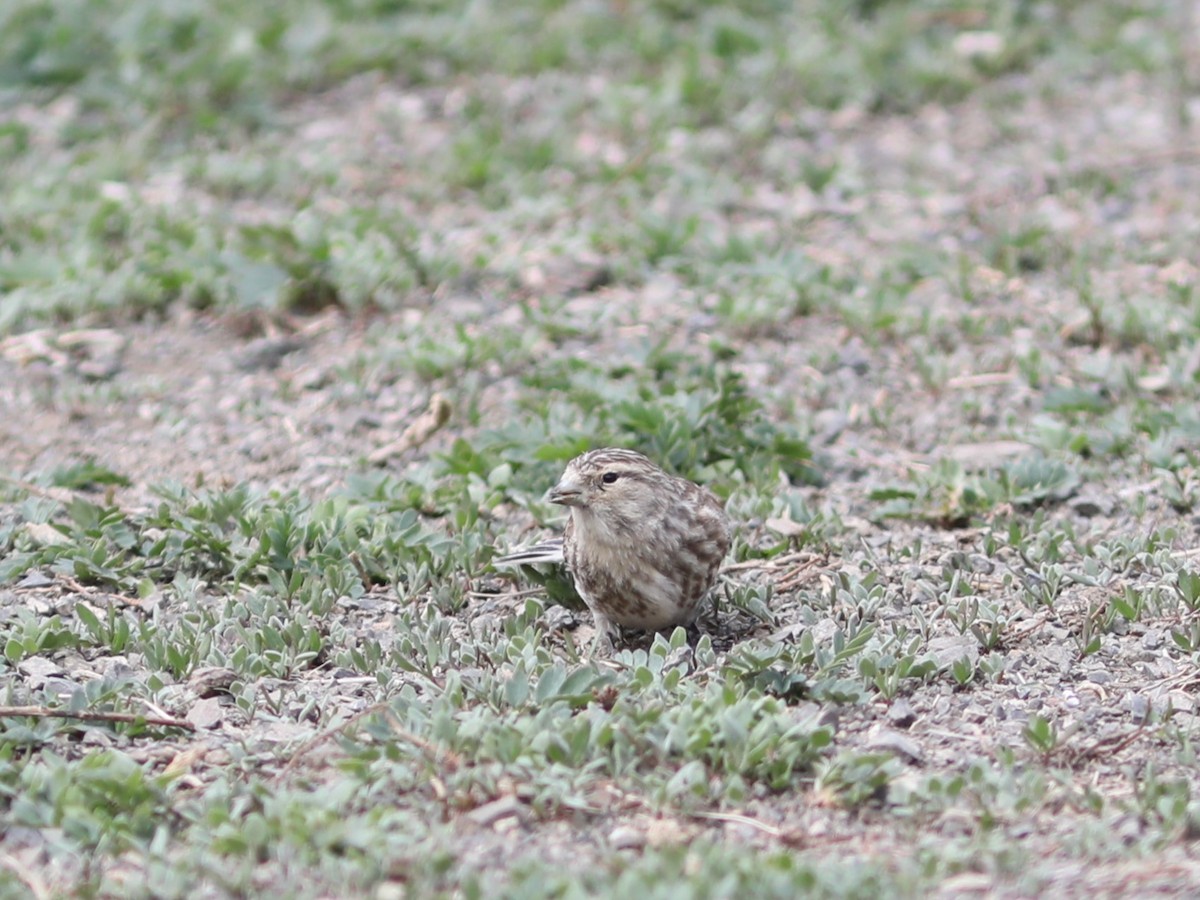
[516,689]
[91,621]
[13,651]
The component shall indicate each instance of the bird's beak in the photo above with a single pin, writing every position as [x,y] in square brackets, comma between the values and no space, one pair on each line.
[566,493]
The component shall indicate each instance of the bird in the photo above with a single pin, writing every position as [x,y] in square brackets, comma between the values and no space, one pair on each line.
[643,547]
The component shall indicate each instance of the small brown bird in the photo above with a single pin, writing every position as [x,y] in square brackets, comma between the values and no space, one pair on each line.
[643,547]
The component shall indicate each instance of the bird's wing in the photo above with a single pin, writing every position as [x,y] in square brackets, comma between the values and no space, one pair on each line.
[546,552]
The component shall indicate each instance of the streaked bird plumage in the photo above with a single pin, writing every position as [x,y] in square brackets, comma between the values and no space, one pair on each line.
[643,547]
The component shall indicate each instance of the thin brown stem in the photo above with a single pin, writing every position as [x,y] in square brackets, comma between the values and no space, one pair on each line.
[87,715]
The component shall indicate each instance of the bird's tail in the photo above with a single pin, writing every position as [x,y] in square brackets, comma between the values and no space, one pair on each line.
[546,552]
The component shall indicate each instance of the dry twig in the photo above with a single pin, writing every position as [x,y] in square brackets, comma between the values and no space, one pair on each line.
[421,429]
[89,715]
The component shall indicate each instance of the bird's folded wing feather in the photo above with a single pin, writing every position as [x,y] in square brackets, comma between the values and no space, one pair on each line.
[546,552]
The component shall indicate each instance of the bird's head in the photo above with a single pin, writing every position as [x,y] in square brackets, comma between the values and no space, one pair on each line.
[610,482]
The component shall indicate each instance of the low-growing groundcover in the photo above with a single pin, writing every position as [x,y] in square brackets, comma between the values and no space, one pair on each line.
[304,306]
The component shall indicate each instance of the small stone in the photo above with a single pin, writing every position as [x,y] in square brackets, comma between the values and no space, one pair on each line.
[784,526]
[667,832]
[97,737]
[624,837]
[287,732]
[267,352]
[953,560]
[830,717]
[887,739]
[211,680]
[559,618]
[1058,634]
[1090,505]
[206,714]
[1139,708]
[981,564]
[44,534]
[949,649]
[823,631]
[901,713]
[491,813]
[38,670]
[1182,701]
[114,666]
[34,580]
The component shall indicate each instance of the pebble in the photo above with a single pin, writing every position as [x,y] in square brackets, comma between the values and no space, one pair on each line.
[901,713]
[491,813]
[1139,708]
[887,739]
[1091,505]
[625,837]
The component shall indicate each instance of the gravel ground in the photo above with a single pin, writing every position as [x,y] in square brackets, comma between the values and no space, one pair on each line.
[944,373]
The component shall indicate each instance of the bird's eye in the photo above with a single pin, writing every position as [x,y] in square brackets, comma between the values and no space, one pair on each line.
[609,477]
